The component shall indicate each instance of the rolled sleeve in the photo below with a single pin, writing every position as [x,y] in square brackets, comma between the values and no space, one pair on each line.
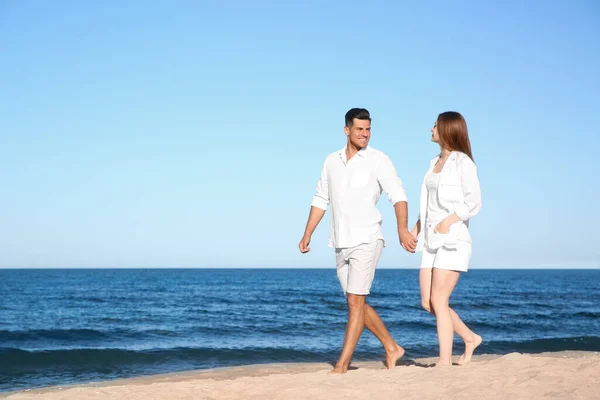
[321,197]
[389,181]
[471,190]
[319,202]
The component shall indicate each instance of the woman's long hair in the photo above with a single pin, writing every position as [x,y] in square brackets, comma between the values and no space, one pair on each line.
[453,133]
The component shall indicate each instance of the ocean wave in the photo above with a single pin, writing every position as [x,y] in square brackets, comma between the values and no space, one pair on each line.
[53,334]
[14,359]
[39,337]
[18,360]
[581,343]
[18,366]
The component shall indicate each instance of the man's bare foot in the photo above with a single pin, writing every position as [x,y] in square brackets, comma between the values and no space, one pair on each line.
[469,349]
[338,369]
[392,357]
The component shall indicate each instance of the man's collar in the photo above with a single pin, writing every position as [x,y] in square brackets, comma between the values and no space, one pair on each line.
[361,152]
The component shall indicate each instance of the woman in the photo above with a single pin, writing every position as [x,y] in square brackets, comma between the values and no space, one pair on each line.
[450,197]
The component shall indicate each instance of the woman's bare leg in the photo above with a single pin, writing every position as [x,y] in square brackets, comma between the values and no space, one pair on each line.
[471,339]
[442,285]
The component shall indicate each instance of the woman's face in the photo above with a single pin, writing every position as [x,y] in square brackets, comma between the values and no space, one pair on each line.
[435,138]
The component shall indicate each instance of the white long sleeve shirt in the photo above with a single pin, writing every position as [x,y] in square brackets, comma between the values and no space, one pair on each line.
[352,189]
[458,192]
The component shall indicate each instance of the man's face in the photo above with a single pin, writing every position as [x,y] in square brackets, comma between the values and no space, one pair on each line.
[360,133]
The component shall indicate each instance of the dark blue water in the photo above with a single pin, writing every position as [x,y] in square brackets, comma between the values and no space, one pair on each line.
[76,326]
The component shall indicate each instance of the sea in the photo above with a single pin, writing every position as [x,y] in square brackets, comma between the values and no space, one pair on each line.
[72,326]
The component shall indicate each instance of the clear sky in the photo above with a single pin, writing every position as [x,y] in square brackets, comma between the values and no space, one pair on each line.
[192,133]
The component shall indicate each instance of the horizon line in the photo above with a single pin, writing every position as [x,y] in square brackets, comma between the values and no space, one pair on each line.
[545,267]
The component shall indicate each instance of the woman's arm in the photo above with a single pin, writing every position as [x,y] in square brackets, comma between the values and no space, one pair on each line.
[417,229]
[472,193]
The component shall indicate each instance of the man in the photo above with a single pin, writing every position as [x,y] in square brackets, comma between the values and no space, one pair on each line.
[351,183]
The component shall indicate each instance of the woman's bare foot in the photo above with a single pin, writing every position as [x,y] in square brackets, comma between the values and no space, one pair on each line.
[338,369]
[393,356]
[444,364]
[469,349]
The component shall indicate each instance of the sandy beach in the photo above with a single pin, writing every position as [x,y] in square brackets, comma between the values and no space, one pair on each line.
[563,375]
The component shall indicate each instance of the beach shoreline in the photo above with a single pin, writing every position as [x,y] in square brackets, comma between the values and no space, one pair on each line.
[568,374]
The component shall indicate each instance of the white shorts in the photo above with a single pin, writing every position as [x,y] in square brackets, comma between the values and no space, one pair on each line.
[356,266]
[451,259]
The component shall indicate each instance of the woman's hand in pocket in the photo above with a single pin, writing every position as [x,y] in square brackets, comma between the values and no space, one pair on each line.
[442,228]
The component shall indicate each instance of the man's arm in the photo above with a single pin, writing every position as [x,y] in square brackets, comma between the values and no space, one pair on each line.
[315,216]
[407,240]
[392,185]
[317,210]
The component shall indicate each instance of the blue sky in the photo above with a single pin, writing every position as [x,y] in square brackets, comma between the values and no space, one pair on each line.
[191,134]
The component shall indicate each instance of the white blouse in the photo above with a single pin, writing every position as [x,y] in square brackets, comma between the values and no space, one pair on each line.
[458,192]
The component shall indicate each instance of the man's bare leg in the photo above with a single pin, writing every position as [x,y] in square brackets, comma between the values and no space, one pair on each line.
[354,328]
[373,322]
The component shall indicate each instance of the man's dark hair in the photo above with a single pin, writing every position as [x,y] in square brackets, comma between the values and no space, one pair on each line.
[358,113]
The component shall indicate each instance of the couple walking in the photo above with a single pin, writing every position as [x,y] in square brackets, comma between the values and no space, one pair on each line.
[352,180]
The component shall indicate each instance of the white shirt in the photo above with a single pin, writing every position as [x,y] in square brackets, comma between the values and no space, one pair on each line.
[352,189]
[458,192]
[435,211]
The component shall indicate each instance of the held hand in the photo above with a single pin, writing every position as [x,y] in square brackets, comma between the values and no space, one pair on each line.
[415,232]
[442,228]
[407,240]
[303,245]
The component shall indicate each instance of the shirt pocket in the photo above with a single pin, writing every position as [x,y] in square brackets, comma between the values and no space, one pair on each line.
[360,179]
